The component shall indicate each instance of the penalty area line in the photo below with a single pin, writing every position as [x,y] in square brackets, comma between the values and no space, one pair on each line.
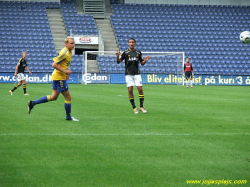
[136,134]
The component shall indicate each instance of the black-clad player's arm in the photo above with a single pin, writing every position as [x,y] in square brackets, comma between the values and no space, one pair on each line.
[16,69]
[145,60]
[117,57]
[28,69]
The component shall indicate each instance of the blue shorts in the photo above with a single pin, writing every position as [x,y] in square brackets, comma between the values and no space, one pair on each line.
[60,86]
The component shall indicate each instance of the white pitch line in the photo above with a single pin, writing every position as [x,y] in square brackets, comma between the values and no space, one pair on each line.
[136,134]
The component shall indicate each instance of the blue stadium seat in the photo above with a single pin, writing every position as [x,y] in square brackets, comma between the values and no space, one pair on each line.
[26,38]
[188,17]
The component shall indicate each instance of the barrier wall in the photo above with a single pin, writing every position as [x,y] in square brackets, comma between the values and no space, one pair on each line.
[163,79]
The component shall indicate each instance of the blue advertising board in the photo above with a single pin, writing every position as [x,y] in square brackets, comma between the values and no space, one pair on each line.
[155,79]
[168,79]
[36,78]
[95,78]
[164,79]
[117,79]
[226,80]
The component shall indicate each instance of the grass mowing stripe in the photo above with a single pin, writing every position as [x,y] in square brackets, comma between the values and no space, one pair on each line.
[150,134]
[187,134]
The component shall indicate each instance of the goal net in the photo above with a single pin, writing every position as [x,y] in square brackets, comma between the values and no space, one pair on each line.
[161,68]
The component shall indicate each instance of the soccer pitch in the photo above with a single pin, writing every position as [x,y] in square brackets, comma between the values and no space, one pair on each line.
[188,134]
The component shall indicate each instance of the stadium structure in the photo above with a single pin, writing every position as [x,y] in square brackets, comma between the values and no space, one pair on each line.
[207,33]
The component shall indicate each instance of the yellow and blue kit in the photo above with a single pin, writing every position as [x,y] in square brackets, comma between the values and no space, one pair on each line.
[63,60]
[59,81]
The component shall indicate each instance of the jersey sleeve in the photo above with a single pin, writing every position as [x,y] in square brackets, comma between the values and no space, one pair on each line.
[19,62]
[122,56]
[141,57]
[61,56]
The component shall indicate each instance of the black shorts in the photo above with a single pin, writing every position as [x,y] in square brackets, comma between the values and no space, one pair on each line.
[188,74]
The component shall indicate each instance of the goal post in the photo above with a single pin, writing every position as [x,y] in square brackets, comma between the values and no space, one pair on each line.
[98,64]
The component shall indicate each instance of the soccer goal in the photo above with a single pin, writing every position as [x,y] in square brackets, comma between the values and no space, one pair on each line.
[101,66]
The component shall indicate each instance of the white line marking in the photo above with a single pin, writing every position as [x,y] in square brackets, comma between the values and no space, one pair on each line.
[136,134]
[230,99]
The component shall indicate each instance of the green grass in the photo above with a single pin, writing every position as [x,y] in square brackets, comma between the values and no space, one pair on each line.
[187,134]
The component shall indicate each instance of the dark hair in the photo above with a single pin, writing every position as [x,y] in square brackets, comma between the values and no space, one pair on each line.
[132,39]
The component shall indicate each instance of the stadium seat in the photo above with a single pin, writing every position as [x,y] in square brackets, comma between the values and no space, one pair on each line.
[26,38]
[215,29]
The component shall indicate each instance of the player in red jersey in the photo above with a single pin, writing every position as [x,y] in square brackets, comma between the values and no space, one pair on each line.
[188,69]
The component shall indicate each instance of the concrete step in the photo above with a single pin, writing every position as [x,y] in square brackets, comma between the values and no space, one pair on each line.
[109,37]
[103,21]
[57,19]
[104,32]
[106,28]
[114,47]
[108,13]
[107,32]
[59,32]
[107,48]
[79,6]
[93,66]
[112,43]
[59,39]
[103,25]
[94,70]
[56,22]
[57,27]
[54,15]
[97,15]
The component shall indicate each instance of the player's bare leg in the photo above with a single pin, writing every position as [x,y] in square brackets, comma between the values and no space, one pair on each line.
[131,99]
[141,97]
[18,85]
[191,82]
[187,83]
[67,106]
[54,95]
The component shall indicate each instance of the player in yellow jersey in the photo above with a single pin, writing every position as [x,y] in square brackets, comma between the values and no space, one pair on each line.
[60,76]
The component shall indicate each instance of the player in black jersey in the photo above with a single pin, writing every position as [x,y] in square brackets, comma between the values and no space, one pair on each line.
[132,73]
[19,73]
